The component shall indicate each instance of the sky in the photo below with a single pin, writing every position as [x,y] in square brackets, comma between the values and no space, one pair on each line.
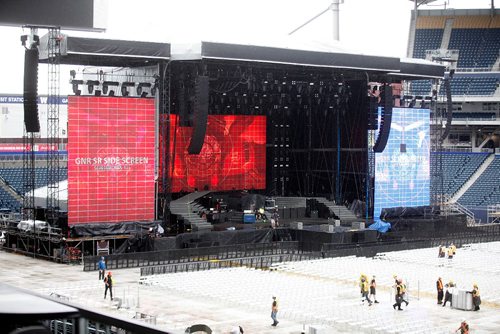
[378,27]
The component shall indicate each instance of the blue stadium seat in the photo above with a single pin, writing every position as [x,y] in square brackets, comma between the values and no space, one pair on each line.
[426,39]
[478,48]
[486,190]
[458,167]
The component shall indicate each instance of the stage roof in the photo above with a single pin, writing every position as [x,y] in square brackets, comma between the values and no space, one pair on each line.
[107,52]
[331,56]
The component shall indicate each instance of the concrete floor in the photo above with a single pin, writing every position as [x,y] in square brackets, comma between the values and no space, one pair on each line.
[221,299]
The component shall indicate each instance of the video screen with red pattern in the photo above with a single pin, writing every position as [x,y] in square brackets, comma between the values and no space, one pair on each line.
[233,156]
[111,159]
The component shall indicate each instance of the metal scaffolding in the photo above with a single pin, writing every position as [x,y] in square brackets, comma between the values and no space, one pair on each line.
[53,168]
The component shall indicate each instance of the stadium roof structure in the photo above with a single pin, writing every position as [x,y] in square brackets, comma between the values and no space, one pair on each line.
[331,56]
[107,52]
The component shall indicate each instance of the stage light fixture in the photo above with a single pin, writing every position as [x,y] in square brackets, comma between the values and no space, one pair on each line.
[72,73]
[144,94]
[107,84]
[125,86]
[91,84]
[140,86]
[75,84]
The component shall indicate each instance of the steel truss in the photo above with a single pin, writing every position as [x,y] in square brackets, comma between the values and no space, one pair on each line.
[53,168]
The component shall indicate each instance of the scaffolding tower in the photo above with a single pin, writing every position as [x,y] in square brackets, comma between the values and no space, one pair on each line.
[53,165]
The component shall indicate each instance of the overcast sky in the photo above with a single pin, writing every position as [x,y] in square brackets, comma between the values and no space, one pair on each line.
[377,27]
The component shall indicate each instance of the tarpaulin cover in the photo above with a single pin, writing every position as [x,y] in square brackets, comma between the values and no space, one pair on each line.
[380,226]
[107,52]
[91,230]
[138,243]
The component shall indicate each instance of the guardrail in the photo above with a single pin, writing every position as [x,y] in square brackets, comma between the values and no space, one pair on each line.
[174,256]
[259,262]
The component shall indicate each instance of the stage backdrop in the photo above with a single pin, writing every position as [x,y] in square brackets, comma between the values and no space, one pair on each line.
[402,169]
[233,156]
[111,159]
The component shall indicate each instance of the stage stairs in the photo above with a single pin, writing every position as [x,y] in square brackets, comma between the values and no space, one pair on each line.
[188,209]
[343,213]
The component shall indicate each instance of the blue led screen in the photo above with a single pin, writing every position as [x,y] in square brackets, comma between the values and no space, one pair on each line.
[402,169]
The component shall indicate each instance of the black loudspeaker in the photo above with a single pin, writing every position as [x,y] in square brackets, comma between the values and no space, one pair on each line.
[30,93]
[200,115]
[385,121]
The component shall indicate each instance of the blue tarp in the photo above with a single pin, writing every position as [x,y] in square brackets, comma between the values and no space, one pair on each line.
[380,226]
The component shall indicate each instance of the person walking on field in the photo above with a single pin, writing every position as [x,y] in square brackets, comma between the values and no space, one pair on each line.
[364,291]
[102,268]
[108,282]
[274,312]
[399,297]
[373,290]
[439,287]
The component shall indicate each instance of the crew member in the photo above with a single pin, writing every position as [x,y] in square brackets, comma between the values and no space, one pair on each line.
[439,287]
[464,328]
[476,297]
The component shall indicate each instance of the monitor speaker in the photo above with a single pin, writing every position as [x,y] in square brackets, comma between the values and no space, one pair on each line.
[200,115]
[30,93]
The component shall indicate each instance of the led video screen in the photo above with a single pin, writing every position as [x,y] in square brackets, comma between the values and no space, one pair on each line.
[233,156]
[111,159]
[402,169]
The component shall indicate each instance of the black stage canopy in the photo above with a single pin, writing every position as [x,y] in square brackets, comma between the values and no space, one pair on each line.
[107,52]
[331,57]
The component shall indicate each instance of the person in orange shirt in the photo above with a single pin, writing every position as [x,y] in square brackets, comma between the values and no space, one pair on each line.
[439,287]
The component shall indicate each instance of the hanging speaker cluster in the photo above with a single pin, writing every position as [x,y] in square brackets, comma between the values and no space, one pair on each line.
[30,92]
[200,116]
[386,119]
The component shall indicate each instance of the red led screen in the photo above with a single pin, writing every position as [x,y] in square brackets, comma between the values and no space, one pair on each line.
[111,159]
[233,155]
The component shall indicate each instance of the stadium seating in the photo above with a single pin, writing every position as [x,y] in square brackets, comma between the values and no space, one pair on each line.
[486,190]
[478,48]
[8,201]
[478,85]
[14,177]
[426,39]
[421,88]
[457,168]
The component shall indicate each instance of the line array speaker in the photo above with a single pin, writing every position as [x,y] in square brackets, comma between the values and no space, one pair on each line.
[385,121]
[30,93]
[200,115]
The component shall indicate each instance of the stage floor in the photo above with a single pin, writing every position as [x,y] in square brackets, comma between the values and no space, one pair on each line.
[310,293]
